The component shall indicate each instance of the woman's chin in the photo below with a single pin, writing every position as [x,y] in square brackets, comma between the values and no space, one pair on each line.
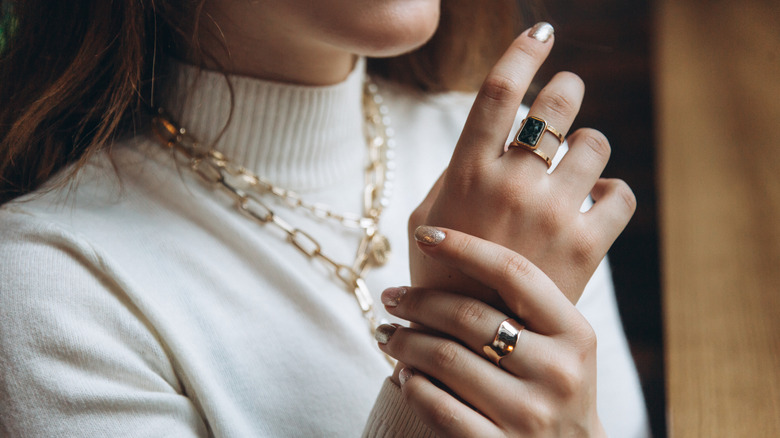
[392,32]
[391,50]
[396,41]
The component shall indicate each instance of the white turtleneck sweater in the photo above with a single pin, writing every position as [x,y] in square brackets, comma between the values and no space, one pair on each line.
[140,303]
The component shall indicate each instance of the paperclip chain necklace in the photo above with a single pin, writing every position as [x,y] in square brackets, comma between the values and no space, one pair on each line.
[247,189]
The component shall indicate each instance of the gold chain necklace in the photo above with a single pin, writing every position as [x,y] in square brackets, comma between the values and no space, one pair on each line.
[247,188]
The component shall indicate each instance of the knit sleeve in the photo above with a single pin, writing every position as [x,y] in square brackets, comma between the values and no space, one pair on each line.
[77,358]
[391,417]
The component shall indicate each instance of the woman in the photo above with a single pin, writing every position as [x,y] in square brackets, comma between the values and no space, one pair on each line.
[138,301]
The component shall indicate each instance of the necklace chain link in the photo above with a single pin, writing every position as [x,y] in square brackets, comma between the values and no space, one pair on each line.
[247,190]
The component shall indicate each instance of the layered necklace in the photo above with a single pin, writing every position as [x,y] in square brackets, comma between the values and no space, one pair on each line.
[251,193]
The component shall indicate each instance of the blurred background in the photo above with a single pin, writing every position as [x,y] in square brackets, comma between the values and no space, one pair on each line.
[607,43]
[688,92]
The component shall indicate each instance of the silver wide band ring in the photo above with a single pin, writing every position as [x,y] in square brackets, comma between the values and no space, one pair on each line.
[504,342]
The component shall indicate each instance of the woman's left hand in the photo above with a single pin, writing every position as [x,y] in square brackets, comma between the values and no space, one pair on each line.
[545,387]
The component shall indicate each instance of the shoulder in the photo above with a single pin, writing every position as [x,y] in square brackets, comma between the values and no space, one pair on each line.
[73,343]
[58,239]
[28,239]
[114,195]
[47,266]
[54,283]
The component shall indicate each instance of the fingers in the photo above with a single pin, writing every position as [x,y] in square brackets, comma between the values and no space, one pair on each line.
[614,205]
[485,398]
[474,379]
[557,104]
[582,165]
[496,104]
[441,411]
[471,322]
[524,288]
[554,375]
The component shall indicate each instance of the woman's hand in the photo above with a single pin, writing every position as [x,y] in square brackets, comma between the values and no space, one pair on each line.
[509,198]
[545,387]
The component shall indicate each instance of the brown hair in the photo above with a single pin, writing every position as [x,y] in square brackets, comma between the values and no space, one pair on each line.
[76,75]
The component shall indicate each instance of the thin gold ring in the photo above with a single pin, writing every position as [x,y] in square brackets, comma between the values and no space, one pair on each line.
[504,342]
[538,152]
[530,133]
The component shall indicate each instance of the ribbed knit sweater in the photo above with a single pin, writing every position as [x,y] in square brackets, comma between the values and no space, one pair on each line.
[139,302]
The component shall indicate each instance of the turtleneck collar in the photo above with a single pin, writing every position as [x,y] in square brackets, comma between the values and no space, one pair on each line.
[299,137]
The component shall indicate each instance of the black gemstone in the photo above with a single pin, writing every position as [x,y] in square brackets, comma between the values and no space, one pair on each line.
[531,132]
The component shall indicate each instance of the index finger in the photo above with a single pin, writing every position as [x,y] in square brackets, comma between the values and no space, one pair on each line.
[495,107]
[524,288]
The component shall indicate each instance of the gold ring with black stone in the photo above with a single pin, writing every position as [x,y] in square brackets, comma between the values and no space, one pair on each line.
[530,134]
[505,341]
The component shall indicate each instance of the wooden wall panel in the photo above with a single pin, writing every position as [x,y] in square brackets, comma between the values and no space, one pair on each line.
[718,82]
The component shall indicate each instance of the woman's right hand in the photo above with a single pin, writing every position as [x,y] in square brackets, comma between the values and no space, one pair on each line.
[509,198]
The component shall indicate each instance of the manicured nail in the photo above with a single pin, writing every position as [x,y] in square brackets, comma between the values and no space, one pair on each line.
[392,296]
[384,332]
[404,375]
[542,31]
[429,235]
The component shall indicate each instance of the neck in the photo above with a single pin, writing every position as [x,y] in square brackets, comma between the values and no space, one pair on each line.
[300,137]
[270,51]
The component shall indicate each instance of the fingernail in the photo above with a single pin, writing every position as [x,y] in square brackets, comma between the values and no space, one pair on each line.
[384,332]
[429,235]
[392,296]
[542,31]
[404,375]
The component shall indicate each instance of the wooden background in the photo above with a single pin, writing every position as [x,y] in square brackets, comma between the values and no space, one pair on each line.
[689,94]
[718,88]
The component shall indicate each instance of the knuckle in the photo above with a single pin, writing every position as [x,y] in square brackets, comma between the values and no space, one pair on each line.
[557,103]
[526,52]
[468,313]
[516,265]
[573,78]
[499,88]
[569,379]
[582,344]
[462,245]
[598,143]
[626,194]
[587,341]
[586,247]
[412,303]
[442,413]
[541,418]
[444,355]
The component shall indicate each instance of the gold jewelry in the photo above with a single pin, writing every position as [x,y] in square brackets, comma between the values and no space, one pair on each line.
[247,188]
[530,133]
[504,342]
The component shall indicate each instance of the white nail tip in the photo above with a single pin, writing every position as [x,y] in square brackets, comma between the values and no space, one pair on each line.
[542,31]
